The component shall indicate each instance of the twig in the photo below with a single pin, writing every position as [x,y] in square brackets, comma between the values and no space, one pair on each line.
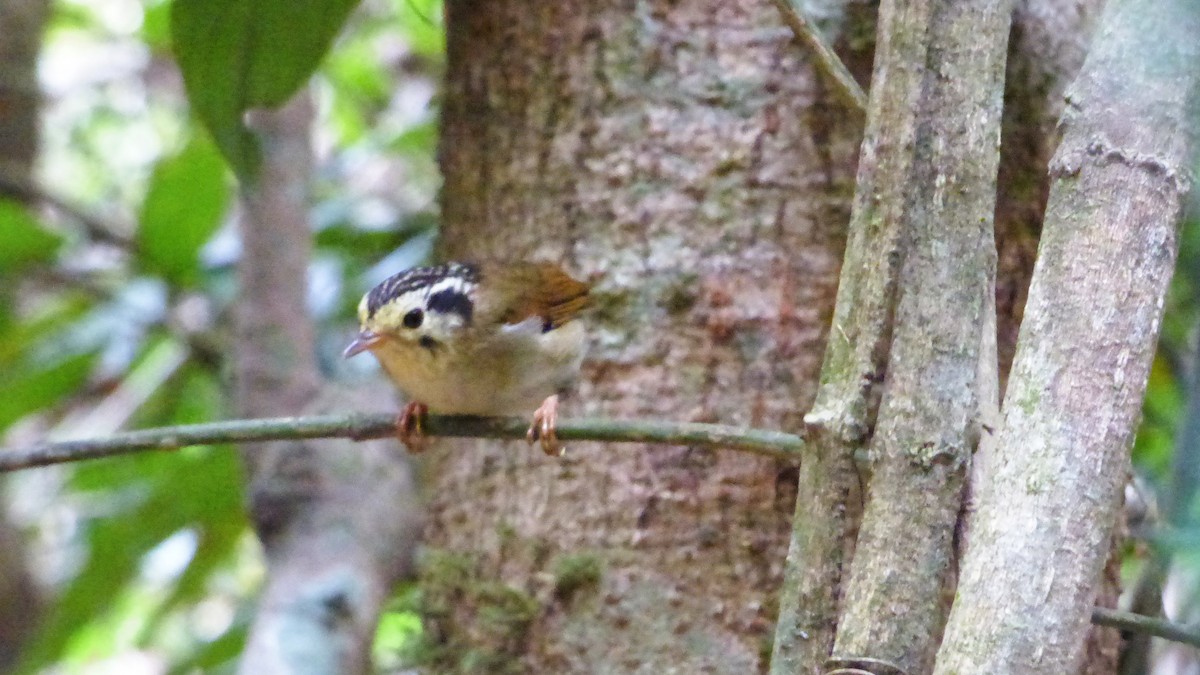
[361,427]
[1137,623]
[804,31]
[96,227]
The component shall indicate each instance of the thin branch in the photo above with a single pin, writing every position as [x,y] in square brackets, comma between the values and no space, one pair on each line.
[805,32]
[362,427]
[1136,623]
[96,227]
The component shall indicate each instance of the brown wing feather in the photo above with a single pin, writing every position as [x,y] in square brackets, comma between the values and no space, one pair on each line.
[518,291]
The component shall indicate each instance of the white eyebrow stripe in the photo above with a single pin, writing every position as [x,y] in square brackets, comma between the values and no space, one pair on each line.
[455,284]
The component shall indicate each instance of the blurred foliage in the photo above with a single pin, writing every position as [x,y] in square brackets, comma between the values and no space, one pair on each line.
[122,321]
[172,230]
[151,554]
[237,55]
[25,240]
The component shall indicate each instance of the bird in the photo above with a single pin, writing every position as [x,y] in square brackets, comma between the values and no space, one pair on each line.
[477,339]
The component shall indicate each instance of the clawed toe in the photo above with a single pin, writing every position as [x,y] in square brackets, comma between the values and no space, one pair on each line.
[408,427]
[544,428]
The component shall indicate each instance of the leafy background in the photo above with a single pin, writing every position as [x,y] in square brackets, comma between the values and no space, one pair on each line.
[114,305]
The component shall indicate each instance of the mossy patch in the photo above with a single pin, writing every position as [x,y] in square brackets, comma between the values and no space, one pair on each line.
[475,623]
[575,573]
[472,624]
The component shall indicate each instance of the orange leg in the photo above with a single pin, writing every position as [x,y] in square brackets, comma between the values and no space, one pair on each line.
[408,427]
[543,428]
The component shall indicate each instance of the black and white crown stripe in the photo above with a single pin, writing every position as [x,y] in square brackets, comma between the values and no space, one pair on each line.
[445,288]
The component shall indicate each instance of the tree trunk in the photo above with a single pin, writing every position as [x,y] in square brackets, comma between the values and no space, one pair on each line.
[686,157]
[934,130]
[339,524]
[1048,43]
[1046,510]
[21,24]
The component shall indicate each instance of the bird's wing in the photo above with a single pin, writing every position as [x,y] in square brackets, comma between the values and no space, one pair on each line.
[520,291]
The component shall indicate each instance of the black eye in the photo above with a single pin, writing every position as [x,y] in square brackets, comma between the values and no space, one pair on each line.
[414,318]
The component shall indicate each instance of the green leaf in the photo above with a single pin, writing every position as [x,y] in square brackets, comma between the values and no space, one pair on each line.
[25,241]
[241,54]
[69,16]
[396,634]
[206,489]
[184,205]
[419,21]
[31,388]
[366,244]
[18,338]
[156,25]
[419,140]
[1160,413]
[356,69]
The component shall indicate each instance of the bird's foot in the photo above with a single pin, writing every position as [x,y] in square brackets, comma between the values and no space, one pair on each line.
[544,427]
[408,427]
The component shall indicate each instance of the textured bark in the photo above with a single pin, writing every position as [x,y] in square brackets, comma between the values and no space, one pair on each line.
[20,601]
[1048,42]
[1047,45]
[943,138]
[338,523]
[1046,510]
[682,154]
[21,23]
[1046,48]
[1103,648]
[276,372]
[839,425]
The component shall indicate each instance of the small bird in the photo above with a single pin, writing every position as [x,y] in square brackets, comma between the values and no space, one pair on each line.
[467,339]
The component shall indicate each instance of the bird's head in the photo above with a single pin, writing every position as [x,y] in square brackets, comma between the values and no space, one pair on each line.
[424,307]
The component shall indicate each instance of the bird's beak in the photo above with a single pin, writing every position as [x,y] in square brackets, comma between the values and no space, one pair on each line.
[365,340]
